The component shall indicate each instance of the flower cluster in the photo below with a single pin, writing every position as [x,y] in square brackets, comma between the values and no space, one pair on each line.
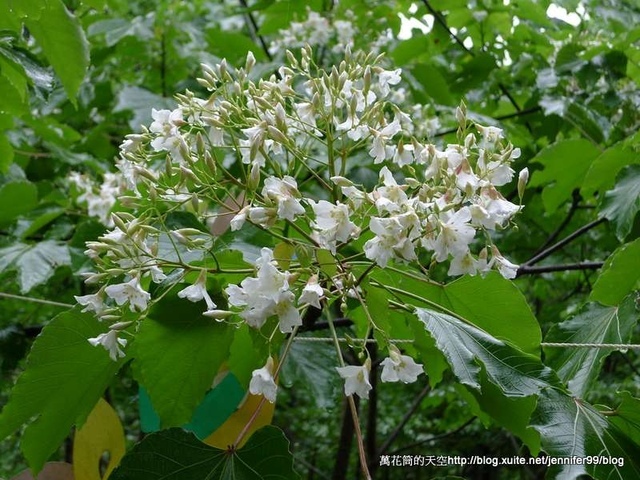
[284,156]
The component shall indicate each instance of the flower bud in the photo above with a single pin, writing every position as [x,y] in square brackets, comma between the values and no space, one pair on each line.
[523,178]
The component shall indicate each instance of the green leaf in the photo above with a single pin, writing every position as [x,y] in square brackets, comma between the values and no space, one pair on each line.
[6,154]
[64,378]
[177,353]
[232,46]
[492,303]
[603,170]
[16,198]
[570,427]
[35,263]
[623,202]
[249,350]
[177,455]
[627,417]
[579,367]
[63,42]
[433,83]
[470,350]
[619,276]
[565,165]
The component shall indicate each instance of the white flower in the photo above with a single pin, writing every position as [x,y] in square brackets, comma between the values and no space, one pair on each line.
[399,368]
[283,192]
[390,198]
[111,343]
[462,264]
[505,267]
[333,223]
[263,383]
[454,237]
[356,379]
[91,303]
[266,295]
[393,238]
[379,150]
[130,292]
[198,291]
[312,293]
[386,78]
[490,136]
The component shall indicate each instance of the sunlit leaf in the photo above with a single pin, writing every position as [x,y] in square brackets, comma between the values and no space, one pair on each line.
[102,432]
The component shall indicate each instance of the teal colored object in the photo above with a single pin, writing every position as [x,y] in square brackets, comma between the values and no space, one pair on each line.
[219,404]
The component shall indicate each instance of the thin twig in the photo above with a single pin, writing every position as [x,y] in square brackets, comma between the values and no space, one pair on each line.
[35,300]
[561,227]
[528,270]
[557,246]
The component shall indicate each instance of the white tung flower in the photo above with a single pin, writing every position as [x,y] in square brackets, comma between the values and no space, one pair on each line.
[284,192]
[91,303]
[198,292]
[379,150]
[266,295]
[356,379]
[399,368]
[312,293]
[111,343]
[386,78]
[454,237]
[131,292]
[263,383]
[332,223]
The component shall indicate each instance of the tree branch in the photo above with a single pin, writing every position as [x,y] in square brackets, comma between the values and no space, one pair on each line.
[527,270]
[565,222]
[557,246]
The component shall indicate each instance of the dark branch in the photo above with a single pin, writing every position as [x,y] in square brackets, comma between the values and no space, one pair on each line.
[527,270]
[519,113]
[565,222]
[557,246]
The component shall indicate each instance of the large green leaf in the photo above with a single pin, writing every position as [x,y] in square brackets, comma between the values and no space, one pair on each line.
[64,378]
[35,263]
[16,198]
[565,165]
[594,324]
[602,173]
[469,350]
[572,428]
[6,153]
[623,202]
[620,275]
[492,303]
[177,455]
[62,40]
[177,353]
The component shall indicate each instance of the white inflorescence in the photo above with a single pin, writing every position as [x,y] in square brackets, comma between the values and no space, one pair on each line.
[276,154]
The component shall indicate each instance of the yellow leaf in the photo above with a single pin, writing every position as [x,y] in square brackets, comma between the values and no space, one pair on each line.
[228,432]
[102,432]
